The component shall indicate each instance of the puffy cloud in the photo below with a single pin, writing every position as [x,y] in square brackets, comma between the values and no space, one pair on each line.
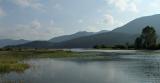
[124,5]
[107,23]
[121,4]
[110,22]
[133,8]
[35,4]
[35,24]
[109,19]
[32,31]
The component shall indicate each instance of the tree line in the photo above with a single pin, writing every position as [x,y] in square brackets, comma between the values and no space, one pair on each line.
[146,40]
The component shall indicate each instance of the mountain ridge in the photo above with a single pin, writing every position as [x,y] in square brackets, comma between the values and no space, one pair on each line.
[122,35]
[74,35]
[135,26]
[6,42]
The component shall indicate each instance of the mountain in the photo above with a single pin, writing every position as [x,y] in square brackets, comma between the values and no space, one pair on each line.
[136,26]
[73,36]
[121,35]
[102,31]
[109,38]
[34,44]
[69,37]
[6,42]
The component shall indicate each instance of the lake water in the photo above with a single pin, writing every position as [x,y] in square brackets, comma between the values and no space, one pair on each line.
[136,68]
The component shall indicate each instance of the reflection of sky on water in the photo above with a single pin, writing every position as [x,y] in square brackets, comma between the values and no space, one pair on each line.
[63,71]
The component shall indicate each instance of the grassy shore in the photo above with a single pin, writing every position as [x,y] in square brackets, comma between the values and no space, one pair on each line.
[8,64]
[45,54]
[12,61]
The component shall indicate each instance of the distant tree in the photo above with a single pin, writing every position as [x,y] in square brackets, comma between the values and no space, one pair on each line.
[127,45]
[147,40]
[119,47]
[103,46]
[96,47]
[8,49]
[100,46]
[149,36]
[138,43]
[19,49]
[158,46]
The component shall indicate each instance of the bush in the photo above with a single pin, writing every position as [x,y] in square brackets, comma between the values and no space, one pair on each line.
[119,47]
[100,46]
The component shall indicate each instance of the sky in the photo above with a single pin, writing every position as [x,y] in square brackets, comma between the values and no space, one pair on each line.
[45,19]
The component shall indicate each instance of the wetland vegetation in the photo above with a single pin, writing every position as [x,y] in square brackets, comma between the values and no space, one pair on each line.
[13,60]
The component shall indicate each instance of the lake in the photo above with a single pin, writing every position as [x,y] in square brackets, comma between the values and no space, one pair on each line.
[142,67]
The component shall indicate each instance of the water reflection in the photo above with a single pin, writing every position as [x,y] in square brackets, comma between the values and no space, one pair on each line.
[146,70]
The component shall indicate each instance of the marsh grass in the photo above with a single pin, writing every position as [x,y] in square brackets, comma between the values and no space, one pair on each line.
[9,63]
[12,61]
[21,55]
[14,67]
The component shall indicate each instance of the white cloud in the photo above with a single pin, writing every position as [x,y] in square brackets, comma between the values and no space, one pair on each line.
[35,4]
[32,31]
[107,23]
[35,24]
[124,5]
[109,20]
[92,28]
[121,4]
[133,8]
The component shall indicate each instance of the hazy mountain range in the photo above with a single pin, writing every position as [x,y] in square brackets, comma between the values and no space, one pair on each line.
[121,35]
[5,42]
[10,42]
[75,35]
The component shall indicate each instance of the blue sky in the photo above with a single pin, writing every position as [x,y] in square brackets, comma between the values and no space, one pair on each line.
[44,19]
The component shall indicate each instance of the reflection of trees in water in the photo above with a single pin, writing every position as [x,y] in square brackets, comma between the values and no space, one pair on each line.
[147,71]
[152,71]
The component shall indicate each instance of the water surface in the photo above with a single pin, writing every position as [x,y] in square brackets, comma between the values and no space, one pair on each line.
[127,69]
